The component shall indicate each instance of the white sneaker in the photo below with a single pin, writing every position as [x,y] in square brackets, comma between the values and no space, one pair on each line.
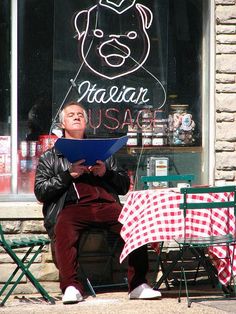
[71,295]
[144,291]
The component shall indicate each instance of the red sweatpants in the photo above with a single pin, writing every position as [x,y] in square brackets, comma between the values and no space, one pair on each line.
[70,223]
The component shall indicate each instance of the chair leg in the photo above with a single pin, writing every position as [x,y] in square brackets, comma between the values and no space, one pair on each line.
[211,271]
[112,244]
[9,281]
[183,275]
[163,271]
[168,270]
[180,285]
[196,273]
[186,288]
[108,264]
[16,269]
[160,265]
[25,271]
[91,288]
[232,279]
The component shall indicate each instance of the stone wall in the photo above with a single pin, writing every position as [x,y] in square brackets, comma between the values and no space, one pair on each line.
[225,145]
[23,220]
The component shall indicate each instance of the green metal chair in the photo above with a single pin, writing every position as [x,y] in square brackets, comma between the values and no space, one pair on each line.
[104,252]
[34,245]
[168,179]
[199,245]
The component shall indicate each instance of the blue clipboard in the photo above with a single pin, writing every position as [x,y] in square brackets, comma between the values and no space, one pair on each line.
[91,149]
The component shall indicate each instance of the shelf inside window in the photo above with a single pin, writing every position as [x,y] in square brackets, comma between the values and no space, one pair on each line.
[163,149]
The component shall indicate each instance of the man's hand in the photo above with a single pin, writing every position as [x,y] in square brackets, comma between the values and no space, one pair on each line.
[77,169]
[99,169]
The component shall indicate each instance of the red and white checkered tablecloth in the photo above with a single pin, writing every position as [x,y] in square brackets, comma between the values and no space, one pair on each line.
[151,216]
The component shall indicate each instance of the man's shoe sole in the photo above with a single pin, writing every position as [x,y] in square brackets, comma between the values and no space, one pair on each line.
[152,298]
[70,302]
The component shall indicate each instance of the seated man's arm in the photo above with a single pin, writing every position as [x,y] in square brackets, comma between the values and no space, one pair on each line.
[51,179]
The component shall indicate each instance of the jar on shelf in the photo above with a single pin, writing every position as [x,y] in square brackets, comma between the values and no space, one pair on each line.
[147,130]
[146,139]
[132,139]
[160,127]
[147,116]
[181,125]
[132,136]
[159,140]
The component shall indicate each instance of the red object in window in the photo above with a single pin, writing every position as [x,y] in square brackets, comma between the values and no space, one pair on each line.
[46,142]
[131,176]
[5,183]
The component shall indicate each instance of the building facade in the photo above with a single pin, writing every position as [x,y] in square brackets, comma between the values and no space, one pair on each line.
[186,69]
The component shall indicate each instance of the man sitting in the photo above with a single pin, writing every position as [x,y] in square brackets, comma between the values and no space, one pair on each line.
[76,196]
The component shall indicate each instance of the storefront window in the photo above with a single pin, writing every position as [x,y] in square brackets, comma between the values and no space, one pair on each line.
[135,65]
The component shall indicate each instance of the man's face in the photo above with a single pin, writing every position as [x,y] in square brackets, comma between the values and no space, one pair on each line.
[74,121]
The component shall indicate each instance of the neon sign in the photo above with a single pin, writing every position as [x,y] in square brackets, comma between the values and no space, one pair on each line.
[107,118]
[113,43]
[119,7]
[116,50]
[92,94]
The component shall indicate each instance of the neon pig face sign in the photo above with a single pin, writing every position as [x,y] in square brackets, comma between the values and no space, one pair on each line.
[113,41]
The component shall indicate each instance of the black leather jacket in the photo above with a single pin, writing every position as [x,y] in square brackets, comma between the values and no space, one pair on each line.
[53,181]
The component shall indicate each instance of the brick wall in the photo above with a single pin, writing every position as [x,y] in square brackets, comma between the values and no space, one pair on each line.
[225,90]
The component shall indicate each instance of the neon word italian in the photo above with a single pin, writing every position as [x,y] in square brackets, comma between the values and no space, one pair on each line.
[92,94]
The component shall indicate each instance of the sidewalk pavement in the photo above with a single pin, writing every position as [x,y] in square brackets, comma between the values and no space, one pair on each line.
[117,303]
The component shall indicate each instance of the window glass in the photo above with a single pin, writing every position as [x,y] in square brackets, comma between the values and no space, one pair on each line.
[136,67]
[35,46]
[5,138]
